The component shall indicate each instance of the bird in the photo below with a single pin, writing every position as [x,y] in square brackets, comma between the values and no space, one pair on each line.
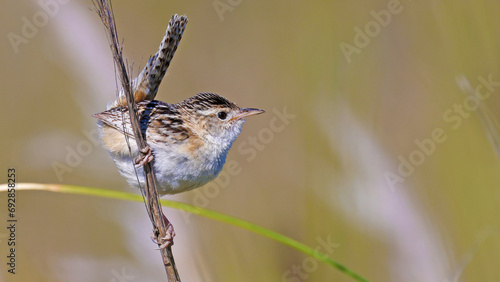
[188,141]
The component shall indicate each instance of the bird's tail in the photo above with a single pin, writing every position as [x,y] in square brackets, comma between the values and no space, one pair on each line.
[146,84]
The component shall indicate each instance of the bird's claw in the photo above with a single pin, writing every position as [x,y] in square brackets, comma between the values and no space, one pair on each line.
[166,241]
[145,156]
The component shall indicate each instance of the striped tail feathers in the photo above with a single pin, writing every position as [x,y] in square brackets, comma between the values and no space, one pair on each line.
[145,86]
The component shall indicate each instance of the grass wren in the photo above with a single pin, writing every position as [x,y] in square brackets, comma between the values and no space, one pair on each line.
[187,142]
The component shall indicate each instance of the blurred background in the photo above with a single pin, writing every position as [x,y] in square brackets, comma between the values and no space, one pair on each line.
[378,146]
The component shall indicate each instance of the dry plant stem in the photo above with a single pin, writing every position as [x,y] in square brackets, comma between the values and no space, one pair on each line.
[105,12]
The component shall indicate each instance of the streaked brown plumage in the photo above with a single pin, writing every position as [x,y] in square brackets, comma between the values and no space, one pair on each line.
[189,140]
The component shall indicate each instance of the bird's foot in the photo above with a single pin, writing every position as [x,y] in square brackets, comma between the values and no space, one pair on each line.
[145,156]
[168,239]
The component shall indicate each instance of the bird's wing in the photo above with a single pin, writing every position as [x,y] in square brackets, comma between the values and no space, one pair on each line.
[158,121]
[117,118]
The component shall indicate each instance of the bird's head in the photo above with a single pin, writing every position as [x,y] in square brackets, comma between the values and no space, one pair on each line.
[214,118]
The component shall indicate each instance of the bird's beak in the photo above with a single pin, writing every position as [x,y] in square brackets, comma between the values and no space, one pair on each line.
[246,112]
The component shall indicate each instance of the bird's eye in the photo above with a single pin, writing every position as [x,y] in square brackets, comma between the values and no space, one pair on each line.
[222,115]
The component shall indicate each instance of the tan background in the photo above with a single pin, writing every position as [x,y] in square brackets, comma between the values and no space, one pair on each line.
[319,178]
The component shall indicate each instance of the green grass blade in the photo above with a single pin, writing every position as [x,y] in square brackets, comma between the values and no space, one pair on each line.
[104,193]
